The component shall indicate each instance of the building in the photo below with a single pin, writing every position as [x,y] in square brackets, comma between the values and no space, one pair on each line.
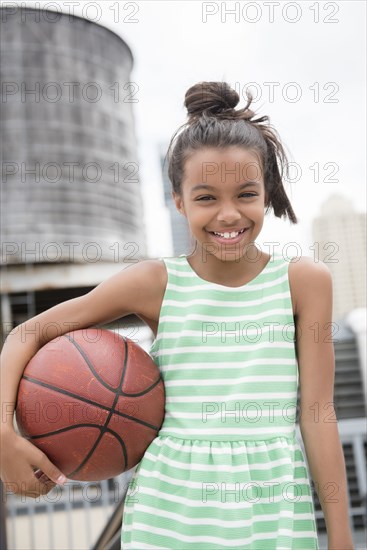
[339,233]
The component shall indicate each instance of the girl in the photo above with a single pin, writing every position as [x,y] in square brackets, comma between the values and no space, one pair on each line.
[235,333]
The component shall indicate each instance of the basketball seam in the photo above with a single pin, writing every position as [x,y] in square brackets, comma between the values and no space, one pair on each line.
[89,401]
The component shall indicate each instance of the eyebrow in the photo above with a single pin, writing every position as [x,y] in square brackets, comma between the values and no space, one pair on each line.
[205,186]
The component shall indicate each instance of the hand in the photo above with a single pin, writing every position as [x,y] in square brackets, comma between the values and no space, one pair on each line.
[25,469]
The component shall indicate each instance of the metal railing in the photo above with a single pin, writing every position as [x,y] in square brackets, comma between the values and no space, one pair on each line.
[68,517]
[74,516]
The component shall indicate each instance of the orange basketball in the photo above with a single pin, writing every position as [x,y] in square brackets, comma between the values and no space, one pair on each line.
[92,401]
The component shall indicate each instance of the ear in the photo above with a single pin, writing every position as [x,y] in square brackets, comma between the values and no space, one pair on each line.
[179,203]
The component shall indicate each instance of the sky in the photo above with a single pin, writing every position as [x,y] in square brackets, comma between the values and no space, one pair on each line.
[303,61]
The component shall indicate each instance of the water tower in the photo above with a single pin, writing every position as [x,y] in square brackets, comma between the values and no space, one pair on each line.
[70,183]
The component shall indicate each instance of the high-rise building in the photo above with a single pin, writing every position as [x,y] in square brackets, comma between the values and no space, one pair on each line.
[339,234]
[182,241]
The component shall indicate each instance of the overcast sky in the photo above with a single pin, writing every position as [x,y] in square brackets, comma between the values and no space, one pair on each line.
[312,52]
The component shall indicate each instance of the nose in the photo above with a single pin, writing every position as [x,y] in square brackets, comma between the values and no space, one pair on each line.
[229,214]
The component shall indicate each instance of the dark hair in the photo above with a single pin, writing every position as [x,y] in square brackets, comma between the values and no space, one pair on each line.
[214,122]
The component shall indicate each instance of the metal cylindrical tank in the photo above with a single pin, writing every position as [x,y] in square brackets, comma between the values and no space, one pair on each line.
[70,184]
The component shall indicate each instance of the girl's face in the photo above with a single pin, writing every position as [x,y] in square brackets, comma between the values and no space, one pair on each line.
[223,191]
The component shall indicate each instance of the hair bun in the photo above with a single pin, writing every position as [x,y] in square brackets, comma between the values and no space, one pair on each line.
[210,97]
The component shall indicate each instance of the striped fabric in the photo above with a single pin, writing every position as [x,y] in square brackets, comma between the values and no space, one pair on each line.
[226,469]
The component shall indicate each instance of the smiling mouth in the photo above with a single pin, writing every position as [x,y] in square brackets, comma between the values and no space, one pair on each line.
[229,234]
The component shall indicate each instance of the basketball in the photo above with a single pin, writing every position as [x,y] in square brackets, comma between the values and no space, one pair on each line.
[92,401]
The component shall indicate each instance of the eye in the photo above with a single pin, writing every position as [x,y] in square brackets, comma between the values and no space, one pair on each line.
[210,197]
[242,194]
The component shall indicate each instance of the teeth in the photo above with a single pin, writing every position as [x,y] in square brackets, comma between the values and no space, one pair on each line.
[228,235]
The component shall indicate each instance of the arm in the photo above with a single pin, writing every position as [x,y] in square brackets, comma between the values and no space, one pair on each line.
[132,290]
[318,422]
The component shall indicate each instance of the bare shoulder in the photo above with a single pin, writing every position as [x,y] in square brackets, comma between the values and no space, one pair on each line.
[154,274]
[308,278]
[137,288]
[153,267]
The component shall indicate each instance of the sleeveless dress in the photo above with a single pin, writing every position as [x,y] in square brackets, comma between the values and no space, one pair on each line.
[226,469]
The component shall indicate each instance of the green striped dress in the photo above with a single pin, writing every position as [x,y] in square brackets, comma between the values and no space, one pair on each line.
[226,469]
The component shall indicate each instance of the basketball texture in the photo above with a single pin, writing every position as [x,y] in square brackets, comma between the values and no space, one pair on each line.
[92,401]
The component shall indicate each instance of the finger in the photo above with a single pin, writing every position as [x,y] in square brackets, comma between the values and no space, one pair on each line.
[41,476]
[51,471]
[38,473]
